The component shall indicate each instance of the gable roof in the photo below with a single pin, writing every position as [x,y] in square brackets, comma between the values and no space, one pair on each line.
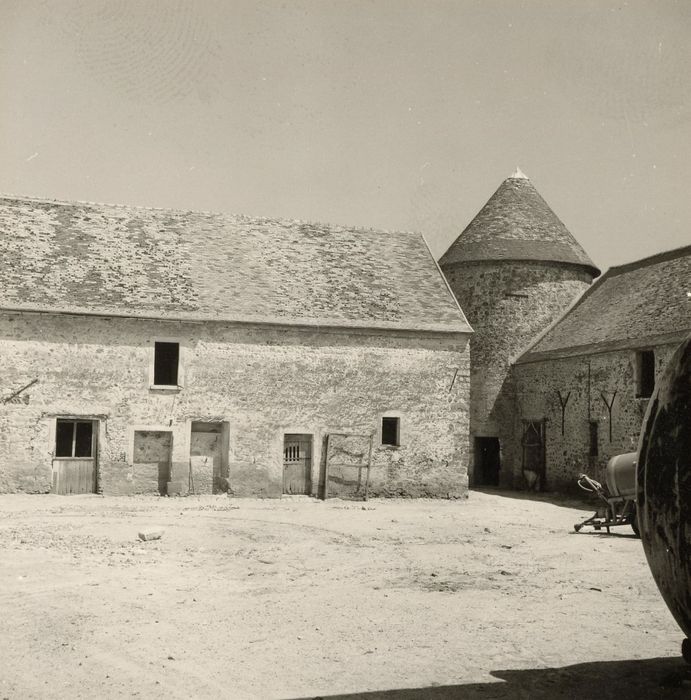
[128,261]
[636,305]
[517,224]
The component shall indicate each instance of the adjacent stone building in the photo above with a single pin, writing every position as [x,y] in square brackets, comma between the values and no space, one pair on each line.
[587,380]
[145,351]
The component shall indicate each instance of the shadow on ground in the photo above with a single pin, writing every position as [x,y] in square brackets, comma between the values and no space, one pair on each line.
[573,500]
[640,679]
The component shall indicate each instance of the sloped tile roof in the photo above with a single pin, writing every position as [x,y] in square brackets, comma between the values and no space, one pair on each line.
[642,303]
[117,260]
[517,224]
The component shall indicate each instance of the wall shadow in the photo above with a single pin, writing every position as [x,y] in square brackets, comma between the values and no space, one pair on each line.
[635,679]
[557,499]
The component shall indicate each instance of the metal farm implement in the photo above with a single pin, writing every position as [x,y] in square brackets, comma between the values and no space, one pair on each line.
[618,496]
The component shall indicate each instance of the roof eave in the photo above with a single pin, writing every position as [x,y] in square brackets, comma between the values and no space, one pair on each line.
[336,325]
[588,267]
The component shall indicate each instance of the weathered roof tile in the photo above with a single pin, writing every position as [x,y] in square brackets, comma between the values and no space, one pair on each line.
[634,305]
[117,260]
[517,224]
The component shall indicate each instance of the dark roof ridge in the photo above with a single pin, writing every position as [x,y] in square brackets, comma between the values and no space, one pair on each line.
[250,218]
[650,260]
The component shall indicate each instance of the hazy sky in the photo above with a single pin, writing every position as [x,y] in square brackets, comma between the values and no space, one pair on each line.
[394,114]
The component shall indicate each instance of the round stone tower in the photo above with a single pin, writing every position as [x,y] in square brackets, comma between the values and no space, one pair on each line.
[514,270]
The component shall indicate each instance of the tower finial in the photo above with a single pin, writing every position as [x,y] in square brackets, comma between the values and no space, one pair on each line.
[518,174]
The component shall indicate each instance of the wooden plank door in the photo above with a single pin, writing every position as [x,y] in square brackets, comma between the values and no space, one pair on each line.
[74,476]
[74,462]
[297,464]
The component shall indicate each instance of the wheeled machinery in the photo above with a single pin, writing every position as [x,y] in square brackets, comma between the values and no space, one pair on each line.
[618,495]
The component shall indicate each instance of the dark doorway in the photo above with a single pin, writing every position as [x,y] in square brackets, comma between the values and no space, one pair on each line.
[533,443]
[487,461]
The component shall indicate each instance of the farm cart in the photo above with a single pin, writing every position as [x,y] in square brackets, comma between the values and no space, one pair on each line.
[618,496]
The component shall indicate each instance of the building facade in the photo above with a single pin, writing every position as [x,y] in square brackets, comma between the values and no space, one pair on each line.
[586,382]
[152,351]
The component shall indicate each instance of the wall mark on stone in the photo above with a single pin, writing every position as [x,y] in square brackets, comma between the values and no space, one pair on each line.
[563,400]
[609,405]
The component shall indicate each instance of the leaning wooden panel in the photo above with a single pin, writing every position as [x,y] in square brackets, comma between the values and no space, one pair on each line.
[348,464]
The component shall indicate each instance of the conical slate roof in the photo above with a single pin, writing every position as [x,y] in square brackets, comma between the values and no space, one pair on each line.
[517,224]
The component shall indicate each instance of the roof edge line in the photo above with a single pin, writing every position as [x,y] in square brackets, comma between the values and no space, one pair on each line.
[650,260]
[274,323]
[446,283]
[489,261]
[574,303]
[604,347]
[251,218]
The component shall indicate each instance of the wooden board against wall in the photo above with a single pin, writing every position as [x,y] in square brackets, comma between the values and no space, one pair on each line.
[348,464]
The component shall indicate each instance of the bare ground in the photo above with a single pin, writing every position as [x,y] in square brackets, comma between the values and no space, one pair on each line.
[494,597]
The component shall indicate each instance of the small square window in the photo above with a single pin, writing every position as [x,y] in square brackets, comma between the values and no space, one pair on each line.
[645,373]
[166,363]
[74,438]
[390,431]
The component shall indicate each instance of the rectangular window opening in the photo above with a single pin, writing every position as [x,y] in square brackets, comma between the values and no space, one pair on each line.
[390,431]
[166,363]
[594,439]
[645,373]
[74,438]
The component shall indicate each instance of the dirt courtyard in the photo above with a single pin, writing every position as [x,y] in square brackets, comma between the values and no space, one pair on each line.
[493,597]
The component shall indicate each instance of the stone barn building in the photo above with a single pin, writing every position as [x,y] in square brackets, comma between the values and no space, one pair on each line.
[586,381]
[148,350]
[514,269]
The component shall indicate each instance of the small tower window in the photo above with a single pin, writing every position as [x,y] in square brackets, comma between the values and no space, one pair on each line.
[166,364]
[390,431]
[645,373]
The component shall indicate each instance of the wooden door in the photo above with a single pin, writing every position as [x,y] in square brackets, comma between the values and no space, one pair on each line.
[297,464]
[74,462]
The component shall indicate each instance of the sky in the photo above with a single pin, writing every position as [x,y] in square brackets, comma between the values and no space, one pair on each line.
[391,114]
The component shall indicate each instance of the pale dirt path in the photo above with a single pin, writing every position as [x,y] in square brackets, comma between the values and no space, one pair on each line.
[493,597]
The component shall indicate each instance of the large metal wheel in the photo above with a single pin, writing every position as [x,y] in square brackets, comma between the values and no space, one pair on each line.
[664,487]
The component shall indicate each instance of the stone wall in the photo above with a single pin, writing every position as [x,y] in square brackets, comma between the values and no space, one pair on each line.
[508,304]
[263,382]
[590,382]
